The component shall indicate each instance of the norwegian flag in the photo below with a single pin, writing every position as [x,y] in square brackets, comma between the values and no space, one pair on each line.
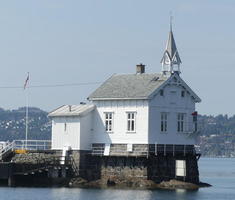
[26,82]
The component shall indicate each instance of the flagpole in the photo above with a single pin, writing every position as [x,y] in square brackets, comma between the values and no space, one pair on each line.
[27,111]
[27,118]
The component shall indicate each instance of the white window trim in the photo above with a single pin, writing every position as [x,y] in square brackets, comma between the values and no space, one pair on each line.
[167,117]
[128,112]
[112,126]
[180,168]
[184,123]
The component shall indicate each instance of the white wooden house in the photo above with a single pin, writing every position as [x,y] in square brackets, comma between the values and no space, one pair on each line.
[128,110]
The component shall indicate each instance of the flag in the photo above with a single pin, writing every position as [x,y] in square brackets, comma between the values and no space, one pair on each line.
[26,81]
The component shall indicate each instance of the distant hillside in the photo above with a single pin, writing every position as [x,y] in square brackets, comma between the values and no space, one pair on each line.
[12,124]
[217,134]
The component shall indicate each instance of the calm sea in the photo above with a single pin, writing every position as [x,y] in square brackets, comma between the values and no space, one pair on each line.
[220,172]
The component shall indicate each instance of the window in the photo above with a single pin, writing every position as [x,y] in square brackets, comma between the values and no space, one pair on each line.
[109,122]
[164,122]
[131,121]
[161,92]
[182,93]
[180,168]
[181,122]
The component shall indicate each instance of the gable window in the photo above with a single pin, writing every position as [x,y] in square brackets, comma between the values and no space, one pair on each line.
[161,92]
[108,121]
[181,122]
[164,122]
[131,121]
[182,93]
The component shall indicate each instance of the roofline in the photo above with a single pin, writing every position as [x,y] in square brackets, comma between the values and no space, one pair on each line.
[120,98]
[54,110]
[72,114]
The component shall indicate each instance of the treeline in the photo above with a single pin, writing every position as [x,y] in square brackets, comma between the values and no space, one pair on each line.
[12,124]
[216,125]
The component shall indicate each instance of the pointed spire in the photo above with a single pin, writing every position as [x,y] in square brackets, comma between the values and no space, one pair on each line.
[171,60]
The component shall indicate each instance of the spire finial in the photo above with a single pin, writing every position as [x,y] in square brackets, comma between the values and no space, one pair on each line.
[171,60]
[171,19]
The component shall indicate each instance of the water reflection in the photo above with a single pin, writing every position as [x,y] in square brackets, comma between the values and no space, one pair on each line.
[211,172]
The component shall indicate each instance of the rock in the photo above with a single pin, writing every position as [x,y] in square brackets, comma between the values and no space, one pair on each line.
[175,184]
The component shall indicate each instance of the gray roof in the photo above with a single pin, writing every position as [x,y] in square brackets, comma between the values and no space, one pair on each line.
[71,110]
[129,86]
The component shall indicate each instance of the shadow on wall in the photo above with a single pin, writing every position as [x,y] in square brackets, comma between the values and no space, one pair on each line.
[90,166]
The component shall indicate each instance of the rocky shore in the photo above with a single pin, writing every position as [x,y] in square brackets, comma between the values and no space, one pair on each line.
[135,184]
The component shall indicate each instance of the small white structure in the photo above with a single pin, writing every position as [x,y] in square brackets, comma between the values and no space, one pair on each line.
[71,127]
[132,109]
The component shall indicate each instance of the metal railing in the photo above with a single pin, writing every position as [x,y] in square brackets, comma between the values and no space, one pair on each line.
[174,149]
[119,150]
[138,150]
[32,144]
[25,145]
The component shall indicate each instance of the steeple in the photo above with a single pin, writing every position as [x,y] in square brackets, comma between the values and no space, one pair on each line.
[171,60]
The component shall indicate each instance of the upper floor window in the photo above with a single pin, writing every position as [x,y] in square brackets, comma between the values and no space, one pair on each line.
[163,122]
[182,93]
[181,122]
[109,122]
[131,121]
[161,92]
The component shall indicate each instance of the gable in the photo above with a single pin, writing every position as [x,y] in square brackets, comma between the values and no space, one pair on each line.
[175,79]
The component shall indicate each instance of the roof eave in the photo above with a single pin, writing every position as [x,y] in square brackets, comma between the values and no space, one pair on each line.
[116,98]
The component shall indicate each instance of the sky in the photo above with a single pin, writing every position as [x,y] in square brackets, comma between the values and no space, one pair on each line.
[76,41]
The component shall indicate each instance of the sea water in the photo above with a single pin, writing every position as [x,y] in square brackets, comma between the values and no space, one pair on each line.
[219,172]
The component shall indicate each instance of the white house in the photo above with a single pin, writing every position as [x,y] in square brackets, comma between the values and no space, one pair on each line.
[128,110]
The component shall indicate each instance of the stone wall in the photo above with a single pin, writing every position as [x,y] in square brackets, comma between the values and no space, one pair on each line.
[34,157]
[122,168]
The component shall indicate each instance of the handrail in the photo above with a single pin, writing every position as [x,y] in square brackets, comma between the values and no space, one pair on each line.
[7,148]
[25,145]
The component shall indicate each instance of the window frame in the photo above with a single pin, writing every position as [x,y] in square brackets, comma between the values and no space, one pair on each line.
[181,122]
[108,120]
[180,168]
[163,122]
[132,121]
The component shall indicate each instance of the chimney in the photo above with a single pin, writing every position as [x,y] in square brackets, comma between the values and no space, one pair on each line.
[140,69]
[70,108]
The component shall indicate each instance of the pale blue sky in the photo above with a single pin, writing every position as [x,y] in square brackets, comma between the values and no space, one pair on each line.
[73,41]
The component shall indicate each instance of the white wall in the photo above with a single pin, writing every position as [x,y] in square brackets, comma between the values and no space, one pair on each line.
[119,134]
[70,137]
[171,103]
[86,128]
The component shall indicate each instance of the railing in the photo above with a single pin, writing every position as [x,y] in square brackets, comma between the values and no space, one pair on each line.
[140,150]
[8,147]
[120,150]
[32,144]
[174,149]
[25,145]
[98,149]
